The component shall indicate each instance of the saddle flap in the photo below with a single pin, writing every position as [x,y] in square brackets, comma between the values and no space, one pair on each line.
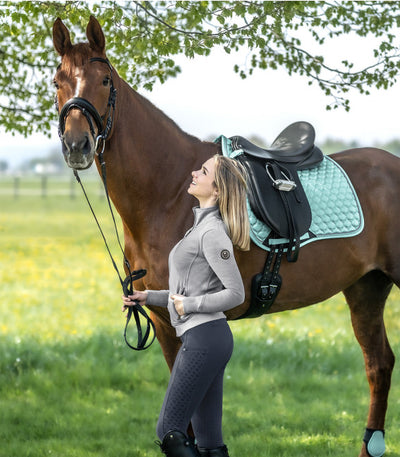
[287,213]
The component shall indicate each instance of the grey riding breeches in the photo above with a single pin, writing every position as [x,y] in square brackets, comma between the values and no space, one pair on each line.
[195,389]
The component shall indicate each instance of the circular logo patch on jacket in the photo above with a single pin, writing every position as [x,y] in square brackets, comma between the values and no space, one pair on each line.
[225,254]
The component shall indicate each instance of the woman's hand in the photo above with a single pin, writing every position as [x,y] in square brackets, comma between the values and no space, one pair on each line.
[178,303]
[140,296]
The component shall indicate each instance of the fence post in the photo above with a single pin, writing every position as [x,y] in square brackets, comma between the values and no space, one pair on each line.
[44,186]
[16,186]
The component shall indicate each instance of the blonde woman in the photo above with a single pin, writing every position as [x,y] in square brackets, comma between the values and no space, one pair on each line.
[204,281]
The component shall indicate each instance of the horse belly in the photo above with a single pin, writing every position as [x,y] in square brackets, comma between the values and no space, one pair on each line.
[323,269]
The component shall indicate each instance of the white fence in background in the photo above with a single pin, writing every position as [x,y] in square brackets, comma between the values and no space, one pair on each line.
[45,186]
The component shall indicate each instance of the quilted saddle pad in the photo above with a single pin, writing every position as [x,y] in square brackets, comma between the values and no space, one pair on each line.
[336,210]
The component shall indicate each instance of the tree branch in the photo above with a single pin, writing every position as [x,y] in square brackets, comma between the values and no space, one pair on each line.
[194,33]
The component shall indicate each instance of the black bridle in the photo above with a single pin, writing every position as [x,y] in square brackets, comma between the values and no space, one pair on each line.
[91,114]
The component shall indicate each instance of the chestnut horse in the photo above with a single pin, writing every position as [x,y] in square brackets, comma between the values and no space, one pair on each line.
[149,160]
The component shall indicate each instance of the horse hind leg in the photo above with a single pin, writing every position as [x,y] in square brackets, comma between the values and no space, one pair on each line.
[366,299]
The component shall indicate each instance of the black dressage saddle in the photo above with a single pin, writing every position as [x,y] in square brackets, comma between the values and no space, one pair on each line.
[277,198]
[275,192]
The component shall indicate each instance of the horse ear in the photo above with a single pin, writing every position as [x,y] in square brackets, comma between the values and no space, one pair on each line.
[61,38]
[95,35]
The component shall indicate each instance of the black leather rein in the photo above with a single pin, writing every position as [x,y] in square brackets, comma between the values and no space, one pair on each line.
[127,284]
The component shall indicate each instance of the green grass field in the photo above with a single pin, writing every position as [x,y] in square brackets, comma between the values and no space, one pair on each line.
[70,387]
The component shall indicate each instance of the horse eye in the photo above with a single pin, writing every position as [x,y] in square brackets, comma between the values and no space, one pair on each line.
[106,81]
[56,84]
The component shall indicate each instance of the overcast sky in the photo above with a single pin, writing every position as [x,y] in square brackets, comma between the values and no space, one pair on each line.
[208,98]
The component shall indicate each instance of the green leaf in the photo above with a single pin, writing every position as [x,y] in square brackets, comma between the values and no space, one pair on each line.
[143,39]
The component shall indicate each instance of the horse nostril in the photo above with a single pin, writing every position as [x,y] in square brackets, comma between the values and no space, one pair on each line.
[80,145]
[86,147]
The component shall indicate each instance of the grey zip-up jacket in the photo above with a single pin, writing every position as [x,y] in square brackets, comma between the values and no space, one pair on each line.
[202,267]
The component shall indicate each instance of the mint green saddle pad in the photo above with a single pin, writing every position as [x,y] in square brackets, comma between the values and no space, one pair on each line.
[335,208]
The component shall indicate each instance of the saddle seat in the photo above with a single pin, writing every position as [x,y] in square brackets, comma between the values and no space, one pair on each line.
[294,145]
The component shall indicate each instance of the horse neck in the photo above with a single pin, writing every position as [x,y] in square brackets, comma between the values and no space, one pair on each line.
[149,160]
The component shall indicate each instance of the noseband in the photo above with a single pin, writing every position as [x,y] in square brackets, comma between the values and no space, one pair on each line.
[90,112]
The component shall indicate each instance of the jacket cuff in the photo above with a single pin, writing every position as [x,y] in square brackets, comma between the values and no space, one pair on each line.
[157,298]
[191,304]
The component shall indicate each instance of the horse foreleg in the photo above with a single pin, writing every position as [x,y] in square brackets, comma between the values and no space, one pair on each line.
[366,300]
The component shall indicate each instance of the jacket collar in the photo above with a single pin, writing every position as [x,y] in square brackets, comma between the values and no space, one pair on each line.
[202,214]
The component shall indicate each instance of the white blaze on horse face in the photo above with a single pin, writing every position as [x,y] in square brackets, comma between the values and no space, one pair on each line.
[78,86]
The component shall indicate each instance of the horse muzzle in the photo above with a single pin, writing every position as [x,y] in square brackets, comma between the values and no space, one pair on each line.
[78,151]
[78,140]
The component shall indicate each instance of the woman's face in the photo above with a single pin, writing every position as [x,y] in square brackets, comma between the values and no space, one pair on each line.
[202,186]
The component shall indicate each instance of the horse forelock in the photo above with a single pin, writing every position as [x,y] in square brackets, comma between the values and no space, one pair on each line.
[77,56]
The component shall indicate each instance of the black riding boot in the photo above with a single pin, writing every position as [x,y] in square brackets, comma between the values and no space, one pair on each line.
[176,444]
[217,452]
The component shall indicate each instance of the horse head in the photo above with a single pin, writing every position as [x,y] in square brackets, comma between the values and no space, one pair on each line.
[85,95]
